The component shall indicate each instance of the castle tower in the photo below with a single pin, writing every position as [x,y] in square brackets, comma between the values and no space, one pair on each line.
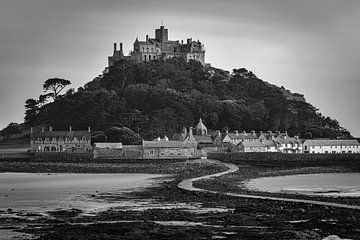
[117,55]
[161,34]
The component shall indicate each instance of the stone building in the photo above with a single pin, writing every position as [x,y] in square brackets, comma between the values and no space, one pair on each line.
[160,47]
[169,149]
[60,141]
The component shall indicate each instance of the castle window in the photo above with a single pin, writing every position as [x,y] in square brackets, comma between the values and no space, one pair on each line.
[149,57]
[145,58]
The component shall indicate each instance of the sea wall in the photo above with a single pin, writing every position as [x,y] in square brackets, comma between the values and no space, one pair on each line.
[63,156]
[296,160]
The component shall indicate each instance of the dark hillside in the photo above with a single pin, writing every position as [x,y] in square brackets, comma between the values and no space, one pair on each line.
[160,97]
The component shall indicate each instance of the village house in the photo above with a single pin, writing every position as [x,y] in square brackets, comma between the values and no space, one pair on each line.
[236,138]
[331,146]
[288,144]
[110,150]
[60,141]
[251,146]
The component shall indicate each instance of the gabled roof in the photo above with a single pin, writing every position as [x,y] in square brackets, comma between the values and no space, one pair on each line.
[169,144]
[269,143]
[331,142]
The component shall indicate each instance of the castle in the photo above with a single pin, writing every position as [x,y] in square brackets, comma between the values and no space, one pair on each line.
[160,47]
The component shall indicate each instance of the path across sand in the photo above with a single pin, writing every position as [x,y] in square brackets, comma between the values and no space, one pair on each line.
[187,184]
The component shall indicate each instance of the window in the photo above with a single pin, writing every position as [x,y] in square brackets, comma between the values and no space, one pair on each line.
[145,58]
[152,152]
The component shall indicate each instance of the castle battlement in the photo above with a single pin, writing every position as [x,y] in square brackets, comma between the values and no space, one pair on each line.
[161,47]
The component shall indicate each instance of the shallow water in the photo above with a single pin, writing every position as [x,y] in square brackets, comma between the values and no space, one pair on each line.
[324,184]
[43,192]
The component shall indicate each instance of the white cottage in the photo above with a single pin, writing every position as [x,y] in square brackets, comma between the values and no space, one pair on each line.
[331,146]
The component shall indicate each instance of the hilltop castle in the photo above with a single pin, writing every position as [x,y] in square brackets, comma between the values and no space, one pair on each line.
[160,47]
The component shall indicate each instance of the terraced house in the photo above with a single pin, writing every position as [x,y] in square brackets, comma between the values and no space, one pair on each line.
[331,146]
[60,141]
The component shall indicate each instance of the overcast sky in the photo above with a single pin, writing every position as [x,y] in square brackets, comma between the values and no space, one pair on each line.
[307,46]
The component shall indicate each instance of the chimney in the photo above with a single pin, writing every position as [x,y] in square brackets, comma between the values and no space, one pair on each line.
[121,47]
[182,42]
[158,139]
[244,132]
[70,129]
[253,133]
[166,138]
[236,132]
[42,129]
[226,132]
[296,137]
[114,47]
[191,136]
[50,128]
[31,130]
[89,130]
[147,37]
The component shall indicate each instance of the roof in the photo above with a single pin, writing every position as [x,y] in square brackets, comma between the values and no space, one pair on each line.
[253,144]
[269,143]
[331,142]
[108,145]
[203,138]
[242,136]
[52,134]
[286,140]
[169,144]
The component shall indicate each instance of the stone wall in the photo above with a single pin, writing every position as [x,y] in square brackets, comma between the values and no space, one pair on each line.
[295,160]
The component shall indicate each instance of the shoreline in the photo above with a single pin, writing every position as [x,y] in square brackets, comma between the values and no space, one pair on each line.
[174,213]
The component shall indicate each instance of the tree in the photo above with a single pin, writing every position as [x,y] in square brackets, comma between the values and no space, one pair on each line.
[56,85]
[44,97]
[11,129]
[123,134]
[31,111]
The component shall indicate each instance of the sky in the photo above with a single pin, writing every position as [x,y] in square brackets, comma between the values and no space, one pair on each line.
[308,46]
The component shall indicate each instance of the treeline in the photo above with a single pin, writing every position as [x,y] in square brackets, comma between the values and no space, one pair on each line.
[158,98]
